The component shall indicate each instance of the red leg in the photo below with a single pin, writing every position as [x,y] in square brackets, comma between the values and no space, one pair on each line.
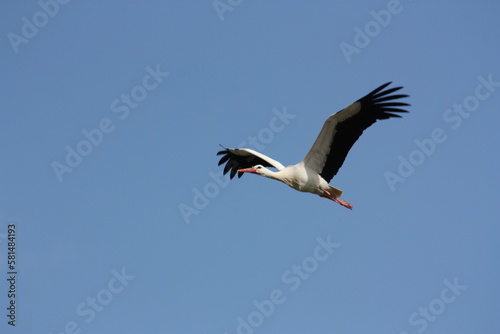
[333,198]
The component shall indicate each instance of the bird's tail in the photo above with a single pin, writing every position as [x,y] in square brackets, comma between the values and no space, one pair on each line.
[335,192]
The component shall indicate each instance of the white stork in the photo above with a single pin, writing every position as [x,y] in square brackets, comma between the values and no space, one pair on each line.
[326,156]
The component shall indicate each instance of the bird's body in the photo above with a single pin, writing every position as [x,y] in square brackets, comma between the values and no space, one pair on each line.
[299,177]
[339,132]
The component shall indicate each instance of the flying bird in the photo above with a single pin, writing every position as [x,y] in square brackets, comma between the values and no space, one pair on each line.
[323,161]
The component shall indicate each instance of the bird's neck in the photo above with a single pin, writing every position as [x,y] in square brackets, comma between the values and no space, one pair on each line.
[279,176]
[269,173]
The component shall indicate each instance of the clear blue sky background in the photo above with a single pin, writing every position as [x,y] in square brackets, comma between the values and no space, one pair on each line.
[120,208]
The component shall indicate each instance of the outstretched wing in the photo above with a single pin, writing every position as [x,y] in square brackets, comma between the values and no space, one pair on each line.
[239,158]
[341,130]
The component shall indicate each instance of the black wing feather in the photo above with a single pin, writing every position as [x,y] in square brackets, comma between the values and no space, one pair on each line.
[236,161]
[373,108]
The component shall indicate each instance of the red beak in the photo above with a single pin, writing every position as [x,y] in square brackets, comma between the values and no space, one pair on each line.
[248,170]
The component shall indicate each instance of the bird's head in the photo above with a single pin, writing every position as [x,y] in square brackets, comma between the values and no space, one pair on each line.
[257,169]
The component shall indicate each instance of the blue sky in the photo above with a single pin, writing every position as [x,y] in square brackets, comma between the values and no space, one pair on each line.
[111,116]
